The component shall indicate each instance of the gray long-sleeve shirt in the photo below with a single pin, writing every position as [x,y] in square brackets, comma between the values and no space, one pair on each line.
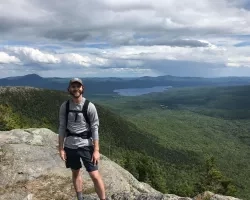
[79,125]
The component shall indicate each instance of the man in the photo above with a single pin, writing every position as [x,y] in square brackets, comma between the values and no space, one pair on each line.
[79,139]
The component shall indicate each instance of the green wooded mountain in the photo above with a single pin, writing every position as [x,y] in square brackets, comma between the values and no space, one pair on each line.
[175,150]
[207,121]
[103,86]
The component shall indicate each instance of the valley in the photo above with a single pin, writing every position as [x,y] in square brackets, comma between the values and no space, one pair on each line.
[177,148]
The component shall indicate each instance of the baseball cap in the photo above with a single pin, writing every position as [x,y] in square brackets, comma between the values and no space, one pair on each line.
[75,80]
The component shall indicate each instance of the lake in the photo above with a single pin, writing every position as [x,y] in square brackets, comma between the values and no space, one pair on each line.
[141,91]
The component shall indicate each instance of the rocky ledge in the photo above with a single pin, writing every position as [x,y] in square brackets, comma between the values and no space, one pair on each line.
[31,169]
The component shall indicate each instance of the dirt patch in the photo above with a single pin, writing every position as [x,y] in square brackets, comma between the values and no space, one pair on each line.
[45,188]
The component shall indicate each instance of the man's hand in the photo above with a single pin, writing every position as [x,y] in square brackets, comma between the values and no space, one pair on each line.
[96,154]
[62,154]
[60,147]
[95,157]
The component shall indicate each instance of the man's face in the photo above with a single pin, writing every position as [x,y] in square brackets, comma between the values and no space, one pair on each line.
[76,89]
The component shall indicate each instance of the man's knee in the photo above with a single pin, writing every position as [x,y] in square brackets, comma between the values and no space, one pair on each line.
[95,175]
[76,173]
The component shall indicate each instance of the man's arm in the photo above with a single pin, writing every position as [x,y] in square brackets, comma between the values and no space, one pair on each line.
[94,120]
[62,128]
[96,145]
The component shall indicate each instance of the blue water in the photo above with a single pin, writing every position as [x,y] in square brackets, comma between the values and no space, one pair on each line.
[141,91]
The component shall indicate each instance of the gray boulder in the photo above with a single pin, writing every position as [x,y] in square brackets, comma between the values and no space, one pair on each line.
[31,169]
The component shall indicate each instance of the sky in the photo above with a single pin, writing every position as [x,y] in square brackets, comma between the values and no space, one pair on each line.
[125,38]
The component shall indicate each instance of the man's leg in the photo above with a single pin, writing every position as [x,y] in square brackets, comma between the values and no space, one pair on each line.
[98,183]
[86,155]
[77,182]
[73,162]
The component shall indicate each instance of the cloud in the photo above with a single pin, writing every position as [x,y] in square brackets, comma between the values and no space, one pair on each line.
[211,53]
[164,41]
[32,56]
[27,54]
[80,21]
[127,37]
[136,59]
[238,61]
[5,58]
[87,60]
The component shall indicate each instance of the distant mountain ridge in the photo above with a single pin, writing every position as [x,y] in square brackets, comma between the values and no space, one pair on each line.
[103,85]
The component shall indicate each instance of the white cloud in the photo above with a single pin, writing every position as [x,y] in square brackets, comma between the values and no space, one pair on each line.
[211,53]
[27,54]
[5,58]
[76,59]
[135,70]
[130,36]
[132,56]
[85,60]
[238,61]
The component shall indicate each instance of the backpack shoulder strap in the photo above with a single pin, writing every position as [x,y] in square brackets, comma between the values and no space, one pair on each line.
[84,111]
[67,113]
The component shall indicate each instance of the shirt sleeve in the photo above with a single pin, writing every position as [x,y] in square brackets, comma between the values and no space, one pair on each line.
[62,118]
[94,120]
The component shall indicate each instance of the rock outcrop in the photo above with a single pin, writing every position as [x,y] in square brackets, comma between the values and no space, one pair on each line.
[31,169]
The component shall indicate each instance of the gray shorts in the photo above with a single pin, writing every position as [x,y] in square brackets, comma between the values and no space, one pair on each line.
[74,157]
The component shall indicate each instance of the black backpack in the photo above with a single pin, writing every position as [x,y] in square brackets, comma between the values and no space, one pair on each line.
[85,134]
